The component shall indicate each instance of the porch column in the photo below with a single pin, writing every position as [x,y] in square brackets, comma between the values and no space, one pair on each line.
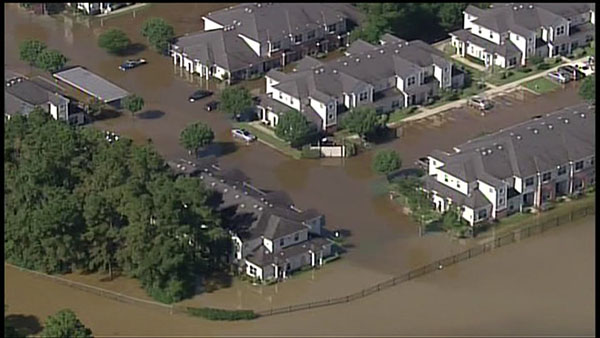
[312,258]
[321,258]
[538,197]
[276,270]
[571,177]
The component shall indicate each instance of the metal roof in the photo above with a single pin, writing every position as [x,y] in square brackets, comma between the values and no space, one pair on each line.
[92,84]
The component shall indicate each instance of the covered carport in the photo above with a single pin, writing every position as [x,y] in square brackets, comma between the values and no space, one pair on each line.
[93,85]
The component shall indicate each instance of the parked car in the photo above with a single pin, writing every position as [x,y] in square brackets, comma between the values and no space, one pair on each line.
[199,95]
[212,105]
[537,117]
[243,134]
[422,162]
[479,103]
[130,64]
[559,77]
[575,73]
[584,67]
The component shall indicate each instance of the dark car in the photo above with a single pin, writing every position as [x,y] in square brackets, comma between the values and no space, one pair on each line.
[575,73]
[212,105]
[130,64]
[199,95]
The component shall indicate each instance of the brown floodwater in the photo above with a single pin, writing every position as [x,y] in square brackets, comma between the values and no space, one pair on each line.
[382,240]
[543,286]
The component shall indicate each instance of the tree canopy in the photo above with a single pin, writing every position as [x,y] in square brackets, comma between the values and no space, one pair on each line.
[362,121]
[386,161]
[235,100]
[588,89]
[159,33]
[294,128]
[30,49]
[133,103]
[50,60]
[114,41]
[74,201]
[196,136]
[65,324]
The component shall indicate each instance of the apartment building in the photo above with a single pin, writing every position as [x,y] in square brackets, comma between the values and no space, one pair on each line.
[388,76]
[526,166]
[94,8]
[247,40]
[506,35]
[271,237]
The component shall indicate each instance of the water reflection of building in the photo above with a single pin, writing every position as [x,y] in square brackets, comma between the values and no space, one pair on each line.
[271,237]
[526,166]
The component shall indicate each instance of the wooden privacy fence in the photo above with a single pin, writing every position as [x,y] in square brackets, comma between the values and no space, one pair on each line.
[514,236]
[511,237]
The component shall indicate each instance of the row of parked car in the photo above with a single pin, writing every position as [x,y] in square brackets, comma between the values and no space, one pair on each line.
[574,72]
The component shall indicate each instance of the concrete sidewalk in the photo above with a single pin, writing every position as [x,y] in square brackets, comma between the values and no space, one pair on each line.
[488,93]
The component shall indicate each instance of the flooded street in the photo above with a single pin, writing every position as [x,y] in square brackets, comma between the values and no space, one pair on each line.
[382,241]
[543,286]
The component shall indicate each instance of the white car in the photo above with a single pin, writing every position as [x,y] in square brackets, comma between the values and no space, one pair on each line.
[243,134]
[584,67]
[559,77]
[479,103]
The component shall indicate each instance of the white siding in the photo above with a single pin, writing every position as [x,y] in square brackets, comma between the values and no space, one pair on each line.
[254,45]
[452,182]
[321,109]
[54,111]
[220,72]
[268,244]
[289,240]
[521,43]
[490,193]
[210,25]
[259,272]
[286,99]
[518,184]
[270,83]
[499,61]
[468,214]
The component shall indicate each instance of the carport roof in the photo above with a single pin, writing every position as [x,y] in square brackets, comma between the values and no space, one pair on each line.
[92,84]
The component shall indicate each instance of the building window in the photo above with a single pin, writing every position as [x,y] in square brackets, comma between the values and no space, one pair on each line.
[578,165]
[516,37]
[280,95]
[529,182]
[491,190]
[363,96]
[275,46]
[546,177]
[297,38]
[501,201]
[410,81]
[560,30]
[491,35]
[562,170]
[296,237]
[480,31]
[482,214]
[592,161]
[282,242]
[331,28]
[310,35]
[331,116]
[395,104]
[458,184]
[253,271]
[446,178]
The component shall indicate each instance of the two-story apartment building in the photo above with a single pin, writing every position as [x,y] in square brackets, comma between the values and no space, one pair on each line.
[22,95]
[94,8]
[271,237]
[506,35]
[241,41]
[522,167]
[388,76]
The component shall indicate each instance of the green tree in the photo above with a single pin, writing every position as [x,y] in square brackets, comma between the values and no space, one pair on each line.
[94,107]
[158,33]
[451,14]
[50,60]
[29,50]
[9,330]
[294,128]
[195,136]
[386,161]
[133,103]
[362,121]
[235,100]
[588,89]
[65,324]
[115,41]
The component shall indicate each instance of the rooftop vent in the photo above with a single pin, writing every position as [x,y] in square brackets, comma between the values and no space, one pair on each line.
[396,51]
[242,205]
[535,130]
[499,147]
[381,51]
[515,8]
[345,63]
[489,151]
[368,56]
[521,6]
[357,60]
[566,121]
[550,126]
[334,71]
[582,115]
[519,137]
[483,152]
[530,6]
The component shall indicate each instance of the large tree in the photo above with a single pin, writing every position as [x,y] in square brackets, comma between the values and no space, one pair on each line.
[362,121]
[196,136]
[114,41]
[588,89]
[386,161]
[158,33]
[50,60]
[65,324]
[133,103]
[30,49]
[235,100]
[294,128]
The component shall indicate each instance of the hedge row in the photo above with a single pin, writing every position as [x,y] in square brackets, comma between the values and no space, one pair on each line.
[220,314]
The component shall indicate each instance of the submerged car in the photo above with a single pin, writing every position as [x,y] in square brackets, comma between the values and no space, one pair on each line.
[199,95]
[130,64]
[212,105]
[559,77]
[479,103]
[243,134]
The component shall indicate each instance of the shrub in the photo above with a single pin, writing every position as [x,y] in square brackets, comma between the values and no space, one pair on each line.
[525,70]
[114,41]
[503,75]
[307,152]
[579,52]
[509,73]
[543,66]
[449,49]
[535,60]
[220,314]
[350,149]
[386,161]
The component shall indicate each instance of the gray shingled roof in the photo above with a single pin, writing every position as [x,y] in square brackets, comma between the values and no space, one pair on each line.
[278,20]
[223,48]
[360,46]
[24,90]
[261,256]
[525,149]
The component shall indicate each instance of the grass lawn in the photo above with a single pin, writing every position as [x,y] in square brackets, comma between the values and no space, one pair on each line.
[515,74]
[401,114]
[541,85]
[270,139]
